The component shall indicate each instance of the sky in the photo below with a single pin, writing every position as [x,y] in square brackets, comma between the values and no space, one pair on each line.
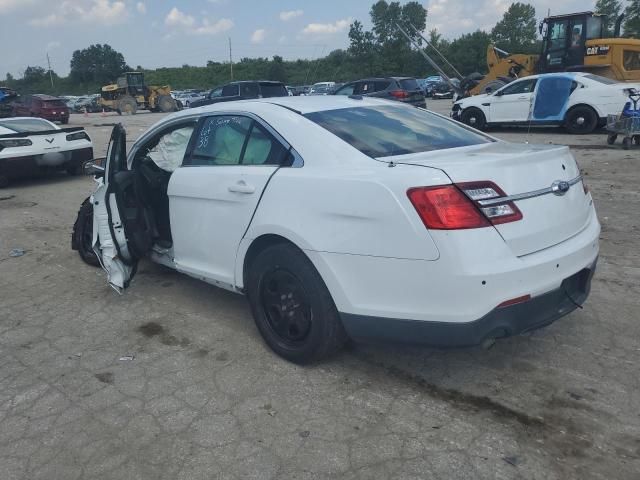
[156,33]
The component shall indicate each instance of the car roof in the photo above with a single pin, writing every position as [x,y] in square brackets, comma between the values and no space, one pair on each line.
[302,105]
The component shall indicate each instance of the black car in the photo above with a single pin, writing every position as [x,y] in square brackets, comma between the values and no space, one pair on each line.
[442,90]
[401,89]
[244,90]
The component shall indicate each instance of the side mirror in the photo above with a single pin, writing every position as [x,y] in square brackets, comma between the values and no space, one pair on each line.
[498,93]
[94,167]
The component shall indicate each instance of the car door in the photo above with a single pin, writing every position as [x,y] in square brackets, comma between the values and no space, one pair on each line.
[513,102]
[117,216]
[213,196]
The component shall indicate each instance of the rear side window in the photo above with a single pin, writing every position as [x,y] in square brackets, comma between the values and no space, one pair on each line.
[230,90]
[382,85]
[346,90]
[395,130]
[409,84]
[268,90]
[236,140]
[221,140]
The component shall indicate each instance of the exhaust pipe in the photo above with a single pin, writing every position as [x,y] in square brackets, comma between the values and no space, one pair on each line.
[616,30]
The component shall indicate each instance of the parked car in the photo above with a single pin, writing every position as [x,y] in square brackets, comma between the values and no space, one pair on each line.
[580,102]
[442,91]
[322,88]
[243,90]
[401,89]
[7,97]
[187,98]
[42,106]
[29,146]
[292,202]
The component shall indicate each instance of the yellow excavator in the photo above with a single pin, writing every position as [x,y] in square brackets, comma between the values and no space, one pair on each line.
[575,42]
[130,93]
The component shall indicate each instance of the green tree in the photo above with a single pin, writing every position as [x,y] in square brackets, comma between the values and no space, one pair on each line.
[632,19]
[98,64]
[277,69]
[516,32]
[468,53]
[610,8]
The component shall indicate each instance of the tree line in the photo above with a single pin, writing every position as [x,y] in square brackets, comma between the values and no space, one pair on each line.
[380,51]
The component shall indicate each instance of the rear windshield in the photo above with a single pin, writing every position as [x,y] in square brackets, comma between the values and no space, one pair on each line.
[54,104]
[383,131]
[409,84]
[598,78]
[273,90]
[22,125]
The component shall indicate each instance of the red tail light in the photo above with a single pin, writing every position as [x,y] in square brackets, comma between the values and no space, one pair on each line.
[458,207]
[399,93]
[446,208]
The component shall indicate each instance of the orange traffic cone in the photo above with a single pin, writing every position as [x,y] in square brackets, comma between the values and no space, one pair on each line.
[104,113]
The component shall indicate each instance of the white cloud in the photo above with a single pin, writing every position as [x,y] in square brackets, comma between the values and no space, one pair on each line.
[103,12]
[258,35]
[213,28]
[327,28]
[176,18]
[141,7]
[290,14]
[180,21]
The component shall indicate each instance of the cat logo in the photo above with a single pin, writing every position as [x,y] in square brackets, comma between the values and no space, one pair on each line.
[598,50]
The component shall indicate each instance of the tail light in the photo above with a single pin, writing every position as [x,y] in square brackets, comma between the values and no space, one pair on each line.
[77,136]
[399,94]
[458,207]
[13,143]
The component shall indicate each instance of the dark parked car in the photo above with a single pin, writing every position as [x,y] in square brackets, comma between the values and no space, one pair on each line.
[43,106]
[442,90]
[7,98]
[401,89]
[244,90]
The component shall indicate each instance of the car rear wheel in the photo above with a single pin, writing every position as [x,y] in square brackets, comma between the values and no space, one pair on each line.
[82,237]
[474,118]
[581,120]
[292,306]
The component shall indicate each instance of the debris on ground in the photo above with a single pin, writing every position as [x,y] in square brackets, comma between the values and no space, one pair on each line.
[17,252]
[127,358]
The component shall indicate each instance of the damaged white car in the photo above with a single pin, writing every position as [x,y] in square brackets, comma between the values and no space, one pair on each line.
[348,217]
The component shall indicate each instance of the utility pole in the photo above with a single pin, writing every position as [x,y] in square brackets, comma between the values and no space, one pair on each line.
[230,59]
[50,72]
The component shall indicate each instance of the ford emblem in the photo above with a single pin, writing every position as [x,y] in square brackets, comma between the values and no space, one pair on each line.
[560,187]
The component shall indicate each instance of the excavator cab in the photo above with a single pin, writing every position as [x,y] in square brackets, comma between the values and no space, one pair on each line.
[132,83]
[565,37]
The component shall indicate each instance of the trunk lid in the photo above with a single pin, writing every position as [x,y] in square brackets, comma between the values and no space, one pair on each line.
[548,219]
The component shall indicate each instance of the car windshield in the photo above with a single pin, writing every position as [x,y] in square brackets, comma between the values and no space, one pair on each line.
[395,130]
[21,125]
[599,79]
[273,90]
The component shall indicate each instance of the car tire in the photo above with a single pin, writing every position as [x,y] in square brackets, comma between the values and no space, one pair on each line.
[474,118]
[127,105]
[292,306]
[166,104]
[4,181]
[64,121]
[581,120]
[74,170]
[82,236]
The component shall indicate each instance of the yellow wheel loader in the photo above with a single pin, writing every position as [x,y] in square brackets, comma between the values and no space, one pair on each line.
[130,93]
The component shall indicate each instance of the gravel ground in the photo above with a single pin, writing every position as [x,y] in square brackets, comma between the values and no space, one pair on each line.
[203,397]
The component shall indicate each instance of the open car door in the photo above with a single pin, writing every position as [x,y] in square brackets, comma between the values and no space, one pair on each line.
[122,229]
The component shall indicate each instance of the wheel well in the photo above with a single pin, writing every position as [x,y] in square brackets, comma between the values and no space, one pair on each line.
[582,105]
[257,246]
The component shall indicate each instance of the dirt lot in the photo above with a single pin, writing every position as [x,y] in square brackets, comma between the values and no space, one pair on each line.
[203,397]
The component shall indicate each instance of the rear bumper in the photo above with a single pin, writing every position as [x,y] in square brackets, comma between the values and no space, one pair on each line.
[15,167]
[501,322]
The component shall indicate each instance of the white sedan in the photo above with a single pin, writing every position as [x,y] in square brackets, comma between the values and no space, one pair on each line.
[29,146]
[578,101]
[350,217]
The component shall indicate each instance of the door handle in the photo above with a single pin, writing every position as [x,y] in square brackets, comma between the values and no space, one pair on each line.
[242,187]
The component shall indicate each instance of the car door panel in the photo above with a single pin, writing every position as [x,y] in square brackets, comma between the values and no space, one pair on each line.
[213,198]
[514,104]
